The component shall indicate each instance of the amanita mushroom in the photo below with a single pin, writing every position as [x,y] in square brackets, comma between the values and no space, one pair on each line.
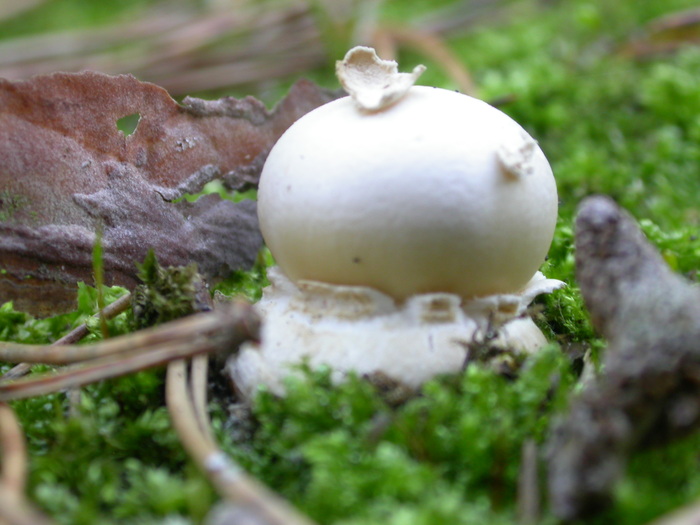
[403,219]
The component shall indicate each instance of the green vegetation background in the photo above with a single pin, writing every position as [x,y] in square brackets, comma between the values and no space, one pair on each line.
[609,123]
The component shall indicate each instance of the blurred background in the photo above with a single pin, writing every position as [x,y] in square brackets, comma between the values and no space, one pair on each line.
[223,46]
[217,47]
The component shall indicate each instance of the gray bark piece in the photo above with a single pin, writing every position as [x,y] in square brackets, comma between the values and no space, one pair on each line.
[649,392]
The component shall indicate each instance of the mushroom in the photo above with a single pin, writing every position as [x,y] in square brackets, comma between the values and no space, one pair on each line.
[405,221]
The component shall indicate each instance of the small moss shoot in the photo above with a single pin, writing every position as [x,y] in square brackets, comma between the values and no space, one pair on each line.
[248,284]
[166,293]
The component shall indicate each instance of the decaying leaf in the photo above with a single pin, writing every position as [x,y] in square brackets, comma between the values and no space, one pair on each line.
[649,392]
[67,172]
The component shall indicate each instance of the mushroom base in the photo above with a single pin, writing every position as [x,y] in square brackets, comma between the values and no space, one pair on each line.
[358,329]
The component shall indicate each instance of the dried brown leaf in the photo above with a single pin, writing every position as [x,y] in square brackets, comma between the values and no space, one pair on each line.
[67,172]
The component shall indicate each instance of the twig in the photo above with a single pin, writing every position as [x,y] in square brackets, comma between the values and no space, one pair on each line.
[665,35]
[107,368]
[14,509]
[434,48]
[201,324]
[19,512]
[689,515]
[198,387]
[226,328]
[111,311]
[14,454]
[16,372]
[462,16]
[12,9]
[227,477]
[528,485]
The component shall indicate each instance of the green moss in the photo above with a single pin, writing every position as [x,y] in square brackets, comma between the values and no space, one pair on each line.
[345,456]
[657,482]
[114,459]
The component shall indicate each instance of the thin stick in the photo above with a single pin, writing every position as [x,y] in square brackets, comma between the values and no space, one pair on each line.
[12,9]
[111,311]
[528,485]
[13,512]
[234,324]
[461,17]
[198,389]
[226,476]
[689,515]
[16,372]
[13,476]
[98,370]
[200,324]
[14,509]
[436,49]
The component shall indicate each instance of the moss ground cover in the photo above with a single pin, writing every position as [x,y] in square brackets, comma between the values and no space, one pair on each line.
[610,123]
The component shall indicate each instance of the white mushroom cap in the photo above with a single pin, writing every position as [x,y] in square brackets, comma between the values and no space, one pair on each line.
[407,190]
[438,192]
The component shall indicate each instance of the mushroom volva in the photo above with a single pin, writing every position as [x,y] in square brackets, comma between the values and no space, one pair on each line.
[403,220]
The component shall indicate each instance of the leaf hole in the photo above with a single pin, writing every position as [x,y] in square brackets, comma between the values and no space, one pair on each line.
[128,123]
